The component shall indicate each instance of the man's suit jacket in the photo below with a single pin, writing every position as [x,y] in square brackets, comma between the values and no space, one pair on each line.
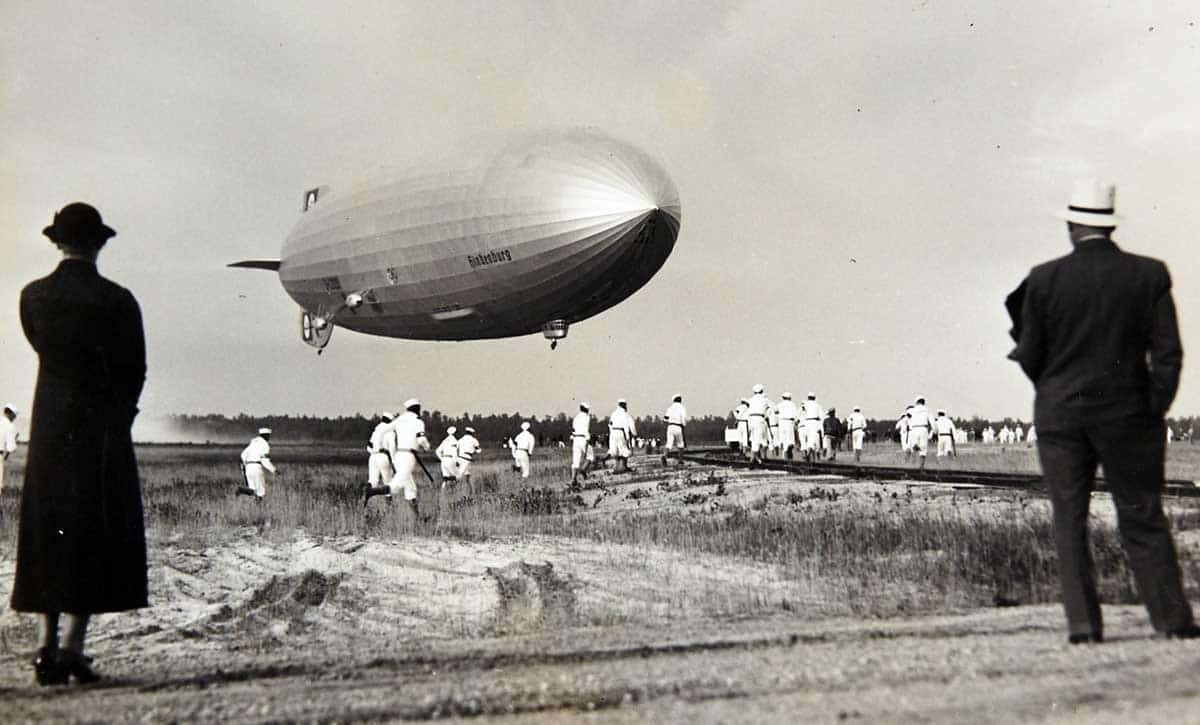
[1097,335]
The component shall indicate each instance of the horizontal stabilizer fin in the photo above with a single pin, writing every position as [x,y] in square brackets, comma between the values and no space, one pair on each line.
[271,264]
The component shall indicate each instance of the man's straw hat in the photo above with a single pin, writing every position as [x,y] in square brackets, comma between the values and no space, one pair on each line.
[1092,203]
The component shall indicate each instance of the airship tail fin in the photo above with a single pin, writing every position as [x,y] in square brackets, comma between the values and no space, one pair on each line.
[271,264]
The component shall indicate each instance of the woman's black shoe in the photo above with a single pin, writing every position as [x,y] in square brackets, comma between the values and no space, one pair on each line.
[77,666]
[46,668]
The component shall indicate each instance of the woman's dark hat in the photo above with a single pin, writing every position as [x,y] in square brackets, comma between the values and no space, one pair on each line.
[78,223]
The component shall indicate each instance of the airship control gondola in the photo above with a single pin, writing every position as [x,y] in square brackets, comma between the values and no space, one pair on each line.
[543,231]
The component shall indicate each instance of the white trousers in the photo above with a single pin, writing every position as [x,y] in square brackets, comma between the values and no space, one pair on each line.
[522,460]
[743,427]
[464,467]
[758,433]
[256,479]
[618,443]
[787,433]
[918,440]
[856,438]
[674,436]
[579,450]
[449,467]
[2,464]
[811,435]
[379,469]
[945,445]
[905,443]
[403,482]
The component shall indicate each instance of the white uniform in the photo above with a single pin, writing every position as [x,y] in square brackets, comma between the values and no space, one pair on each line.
[786,411]
[811,415]
[468,446]
[676,416]
[410,438]
[756,413]
[944,427]
[524,444]
[1018,434]
[255,457]
[902,426]
[620,433]
[379,465]
[1031,436]
[857,423]
[447,453]
[740,413]
[580,434]
[919,424]
[8,443]
[989,435]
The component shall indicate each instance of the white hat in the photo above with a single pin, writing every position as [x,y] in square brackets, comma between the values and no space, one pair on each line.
[469,429]
[678,397]
[264,431]
[386,415]
[1092,203]
[525,426]
[812,396]
[411,403]
[10,406]
[920,399]
[759,388]
[857,409]
[941,412]
[585,406]
[451,431]
[622,401]
[787,395]
[743,400]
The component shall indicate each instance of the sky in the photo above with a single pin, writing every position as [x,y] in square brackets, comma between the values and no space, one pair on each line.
[862,184]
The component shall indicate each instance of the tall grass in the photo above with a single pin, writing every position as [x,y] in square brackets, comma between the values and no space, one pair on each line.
[884,555]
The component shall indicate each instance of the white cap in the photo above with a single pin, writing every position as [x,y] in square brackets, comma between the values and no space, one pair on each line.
[469,429]
[920,399]
[525,426]
[857,409]
[385,414]
[264,431]
[787,396]
[743,400]
[10,406]
[451,430]
[812,396]
[759,388]
[678,398]
[622,401]
[941,412]
[585,406]
[1093,202]
[411,403]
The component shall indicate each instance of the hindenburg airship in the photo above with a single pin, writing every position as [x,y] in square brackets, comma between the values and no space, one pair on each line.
[545,230]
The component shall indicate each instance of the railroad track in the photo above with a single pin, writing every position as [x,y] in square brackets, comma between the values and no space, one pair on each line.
[993,479]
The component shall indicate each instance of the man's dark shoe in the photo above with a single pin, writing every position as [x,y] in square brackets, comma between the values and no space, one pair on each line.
[77,666]
[1086,638]
[46,668]
[1190,632]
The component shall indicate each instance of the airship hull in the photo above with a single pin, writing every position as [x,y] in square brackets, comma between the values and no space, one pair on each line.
[551,226]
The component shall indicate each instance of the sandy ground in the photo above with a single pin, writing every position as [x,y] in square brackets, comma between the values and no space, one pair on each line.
[563,630]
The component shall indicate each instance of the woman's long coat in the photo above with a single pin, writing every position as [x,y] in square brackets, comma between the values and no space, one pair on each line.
[82,546]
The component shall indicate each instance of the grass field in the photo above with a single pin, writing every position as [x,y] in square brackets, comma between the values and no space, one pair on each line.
[884,549]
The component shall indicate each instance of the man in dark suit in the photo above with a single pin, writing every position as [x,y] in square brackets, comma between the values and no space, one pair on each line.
[1097,335]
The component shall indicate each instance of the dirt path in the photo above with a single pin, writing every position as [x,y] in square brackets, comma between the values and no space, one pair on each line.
[563,630]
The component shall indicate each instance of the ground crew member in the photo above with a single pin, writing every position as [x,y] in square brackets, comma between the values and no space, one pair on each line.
[786,413]
[945,430]
[8,438]
[902,424]
[524,444]
[1097,334]
[810,420]
[468,446]
[580,443]
[741,415]
[676,417]
[410,438]
[833,431]
[621,431]
[756,413]
[919,428]
[447,453]
[379,464]
[857,423]
[255,458]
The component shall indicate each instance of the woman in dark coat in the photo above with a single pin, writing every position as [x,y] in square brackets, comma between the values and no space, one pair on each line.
[81,547]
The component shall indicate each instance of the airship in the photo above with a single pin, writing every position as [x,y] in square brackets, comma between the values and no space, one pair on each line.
[536,232]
